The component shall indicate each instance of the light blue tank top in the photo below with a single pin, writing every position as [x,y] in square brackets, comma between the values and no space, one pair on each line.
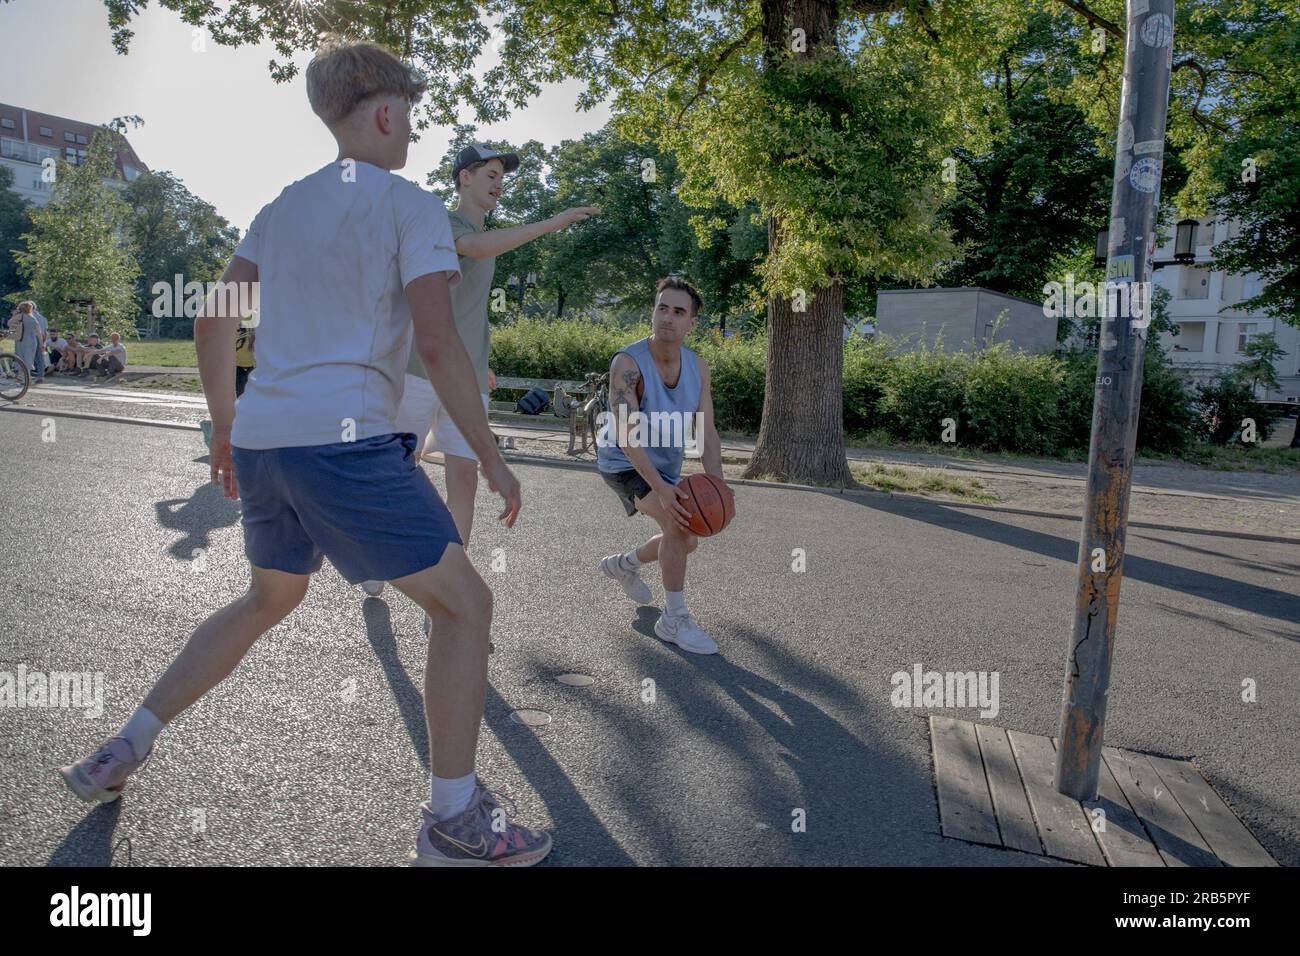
[667,432]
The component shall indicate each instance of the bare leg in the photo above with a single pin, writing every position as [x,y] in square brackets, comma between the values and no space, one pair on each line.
[650,550]
[462,485]
[221,642]
[673,545]
[455,676]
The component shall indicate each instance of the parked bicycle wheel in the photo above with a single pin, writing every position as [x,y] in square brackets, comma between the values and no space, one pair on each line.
[15,379]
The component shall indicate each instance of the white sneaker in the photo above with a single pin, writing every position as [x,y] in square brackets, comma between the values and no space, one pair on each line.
[373,588]
[681,629]
[633,586]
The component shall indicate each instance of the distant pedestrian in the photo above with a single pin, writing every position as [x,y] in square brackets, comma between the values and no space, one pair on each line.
[26,333]
[41,363]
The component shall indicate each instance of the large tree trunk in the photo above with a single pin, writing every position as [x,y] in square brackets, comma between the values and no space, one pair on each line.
[802,434]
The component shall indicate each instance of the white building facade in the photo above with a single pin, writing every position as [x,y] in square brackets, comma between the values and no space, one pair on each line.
[1205,303]
[28,138]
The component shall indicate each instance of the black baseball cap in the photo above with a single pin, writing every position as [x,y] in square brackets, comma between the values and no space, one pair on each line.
[478,153]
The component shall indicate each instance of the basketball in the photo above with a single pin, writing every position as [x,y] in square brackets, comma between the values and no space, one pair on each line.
[710,507]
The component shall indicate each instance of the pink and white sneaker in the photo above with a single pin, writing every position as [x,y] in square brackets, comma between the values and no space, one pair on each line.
[481,836]
[102,775]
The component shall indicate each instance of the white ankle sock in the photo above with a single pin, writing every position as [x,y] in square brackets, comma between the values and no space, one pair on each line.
[675,602]
[448,797]
[629,561]
[141,731]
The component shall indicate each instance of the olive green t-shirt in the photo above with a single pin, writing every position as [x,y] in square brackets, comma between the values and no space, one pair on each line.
[469,305]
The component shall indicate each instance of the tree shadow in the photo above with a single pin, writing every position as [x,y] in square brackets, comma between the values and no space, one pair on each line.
[842,802]
[1263,601]
[546,776]
[196,517]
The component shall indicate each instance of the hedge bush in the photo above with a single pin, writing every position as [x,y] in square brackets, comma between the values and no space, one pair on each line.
[999,399]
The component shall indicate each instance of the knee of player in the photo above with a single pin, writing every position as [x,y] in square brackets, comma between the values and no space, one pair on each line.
[274,604]
[477,601]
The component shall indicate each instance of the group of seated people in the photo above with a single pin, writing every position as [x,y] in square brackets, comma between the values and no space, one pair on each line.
[81,359]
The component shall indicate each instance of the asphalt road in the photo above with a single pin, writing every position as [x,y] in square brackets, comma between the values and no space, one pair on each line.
[314,751]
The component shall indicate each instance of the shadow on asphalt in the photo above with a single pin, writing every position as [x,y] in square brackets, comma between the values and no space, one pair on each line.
[836,776]
[548,779]
[90,842]
[1263,601]
[196,517]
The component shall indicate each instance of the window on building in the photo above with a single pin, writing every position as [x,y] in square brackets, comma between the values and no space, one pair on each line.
[8,123]
[69,138]
[1232,287]
[1245,332]
[47,132]
[1190,337]
[1195,284]
[70,154]
[1205,233]
[82,140]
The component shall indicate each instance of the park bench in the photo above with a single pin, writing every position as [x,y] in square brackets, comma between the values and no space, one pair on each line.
[577,402]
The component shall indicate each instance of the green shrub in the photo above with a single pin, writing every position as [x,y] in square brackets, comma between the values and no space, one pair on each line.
[921,389]
[1224,404]
[738,373]
[559,348]
[1009,401]
[1000,399]
[1165,418]
[866,366]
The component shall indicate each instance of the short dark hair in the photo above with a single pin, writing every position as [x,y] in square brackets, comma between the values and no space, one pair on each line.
[681,285]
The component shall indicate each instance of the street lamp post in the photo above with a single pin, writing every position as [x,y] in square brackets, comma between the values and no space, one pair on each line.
[1131,241]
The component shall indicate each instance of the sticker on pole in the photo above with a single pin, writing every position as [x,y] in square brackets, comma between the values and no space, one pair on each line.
[1158,30]
[1145,175]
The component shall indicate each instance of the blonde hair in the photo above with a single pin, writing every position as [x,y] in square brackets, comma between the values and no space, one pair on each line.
[27,307]
[345,73]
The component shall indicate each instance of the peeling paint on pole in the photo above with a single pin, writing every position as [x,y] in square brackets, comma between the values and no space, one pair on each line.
[1144,105]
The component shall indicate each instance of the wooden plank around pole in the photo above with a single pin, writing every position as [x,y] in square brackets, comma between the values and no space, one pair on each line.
[1123,839]
[1011,806]
[965,807]
[1227,837]
[1063,826]
[1151,799]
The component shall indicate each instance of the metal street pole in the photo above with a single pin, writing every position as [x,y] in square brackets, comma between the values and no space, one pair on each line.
[1139,154]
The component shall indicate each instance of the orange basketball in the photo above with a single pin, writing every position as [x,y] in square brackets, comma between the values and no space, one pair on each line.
[710,506]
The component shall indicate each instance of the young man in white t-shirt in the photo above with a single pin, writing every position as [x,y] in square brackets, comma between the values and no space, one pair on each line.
[345,262]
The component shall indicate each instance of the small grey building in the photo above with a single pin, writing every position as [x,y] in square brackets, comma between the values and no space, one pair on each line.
[963,319]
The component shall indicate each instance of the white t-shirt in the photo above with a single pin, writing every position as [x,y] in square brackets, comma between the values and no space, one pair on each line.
[334,255]
[119,350]
[59,344]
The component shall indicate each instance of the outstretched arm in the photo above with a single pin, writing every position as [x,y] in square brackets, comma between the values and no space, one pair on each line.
[495,242]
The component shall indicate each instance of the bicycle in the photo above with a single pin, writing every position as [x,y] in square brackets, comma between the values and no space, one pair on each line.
[15,378]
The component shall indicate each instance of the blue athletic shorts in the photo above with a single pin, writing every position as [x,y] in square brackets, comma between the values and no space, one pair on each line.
[366,505]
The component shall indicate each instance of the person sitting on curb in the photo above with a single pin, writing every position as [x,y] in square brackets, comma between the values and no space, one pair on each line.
[57,346]
[87,354]
[71,351]
[112,359]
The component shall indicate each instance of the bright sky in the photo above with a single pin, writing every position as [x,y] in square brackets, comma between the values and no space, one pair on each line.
[213,118]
